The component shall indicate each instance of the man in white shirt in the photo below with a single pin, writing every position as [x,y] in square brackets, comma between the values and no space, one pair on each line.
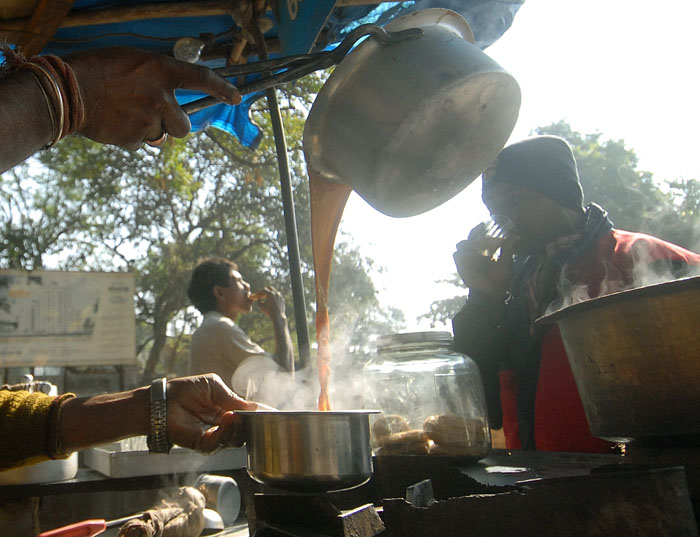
[220,293]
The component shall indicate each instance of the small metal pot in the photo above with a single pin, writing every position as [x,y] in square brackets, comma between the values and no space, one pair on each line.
[309,451]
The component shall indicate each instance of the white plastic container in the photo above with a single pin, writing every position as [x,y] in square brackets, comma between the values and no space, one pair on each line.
[118,460]
[41,472]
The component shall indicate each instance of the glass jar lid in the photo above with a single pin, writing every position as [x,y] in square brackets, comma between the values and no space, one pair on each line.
[413,338]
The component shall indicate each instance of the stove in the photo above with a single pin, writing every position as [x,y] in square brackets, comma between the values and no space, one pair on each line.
[507,493]
[671,451]
[284,515]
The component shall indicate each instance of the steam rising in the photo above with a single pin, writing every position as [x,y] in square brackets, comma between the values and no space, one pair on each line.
[300,391]
[647,269]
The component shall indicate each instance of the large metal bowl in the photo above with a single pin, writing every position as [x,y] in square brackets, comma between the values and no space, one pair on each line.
[309,451]
[635,356]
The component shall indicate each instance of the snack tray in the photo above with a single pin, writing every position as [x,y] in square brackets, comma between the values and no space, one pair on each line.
[113,460]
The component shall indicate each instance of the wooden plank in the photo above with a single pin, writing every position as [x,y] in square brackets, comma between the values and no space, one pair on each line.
[151,11]
[130,13]
[39,29]
[347,3]
[19,29]
[12,9]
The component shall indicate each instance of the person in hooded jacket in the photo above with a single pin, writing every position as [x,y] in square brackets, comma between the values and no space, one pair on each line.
[554,249]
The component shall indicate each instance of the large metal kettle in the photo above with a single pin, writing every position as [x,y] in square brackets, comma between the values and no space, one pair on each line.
[410,124]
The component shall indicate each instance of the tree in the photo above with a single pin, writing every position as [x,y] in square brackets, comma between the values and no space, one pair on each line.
[635,201]
[36,218]
[159,210]
[682,224]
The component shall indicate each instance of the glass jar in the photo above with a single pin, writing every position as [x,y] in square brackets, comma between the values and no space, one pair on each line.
[431,398]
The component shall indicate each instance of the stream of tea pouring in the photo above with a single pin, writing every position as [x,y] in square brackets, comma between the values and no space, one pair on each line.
[407,126]
[327,204]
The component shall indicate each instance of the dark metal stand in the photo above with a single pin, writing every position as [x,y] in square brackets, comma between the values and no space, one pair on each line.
[305,515]
[286,69]
[291,229]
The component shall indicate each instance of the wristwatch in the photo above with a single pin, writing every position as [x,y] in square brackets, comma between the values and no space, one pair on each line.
[158,437]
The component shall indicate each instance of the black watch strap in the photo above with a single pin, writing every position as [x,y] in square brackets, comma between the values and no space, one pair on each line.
[158,437]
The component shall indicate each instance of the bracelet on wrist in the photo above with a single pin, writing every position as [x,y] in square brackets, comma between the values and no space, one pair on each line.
[54,102]
[59,86]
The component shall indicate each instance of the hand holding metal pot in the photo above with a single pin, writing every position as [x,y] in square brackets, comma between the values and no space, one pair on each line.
[201,413]
[309,451]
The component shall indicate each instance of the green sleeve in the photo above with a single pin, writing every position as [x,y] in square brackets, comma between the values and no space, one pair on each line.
[28,425]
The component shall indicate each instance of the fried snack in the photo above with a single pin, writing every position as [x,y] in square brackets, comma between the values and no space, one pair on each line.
[255,297]
[386,425]
[181,515]
[451,431]
[414,442]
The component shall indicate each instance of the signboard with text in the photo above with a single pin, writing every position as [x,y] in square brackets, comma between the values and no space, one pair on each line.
[54,318]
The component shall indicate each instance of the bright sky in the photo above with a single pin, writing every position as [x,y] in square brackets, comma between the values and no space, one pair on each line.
[624,68]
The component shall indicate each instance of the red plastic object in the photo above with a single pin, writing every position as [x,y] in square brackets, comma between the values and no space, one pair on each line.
[86,528]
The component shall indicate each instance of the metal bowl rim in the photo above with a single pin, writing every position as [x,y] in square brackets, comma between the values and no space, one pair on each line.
[652,290]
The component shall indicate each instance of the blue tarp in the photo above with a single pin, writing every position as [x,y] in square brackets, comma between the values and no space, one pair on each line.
[296,23]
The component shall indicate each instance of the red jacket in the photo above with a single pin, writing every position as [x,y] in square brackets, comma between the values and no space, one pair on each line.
[559,419]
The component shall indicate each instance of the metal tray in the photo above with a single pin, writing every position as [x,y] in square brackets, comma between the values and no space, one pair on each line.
[117,460]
